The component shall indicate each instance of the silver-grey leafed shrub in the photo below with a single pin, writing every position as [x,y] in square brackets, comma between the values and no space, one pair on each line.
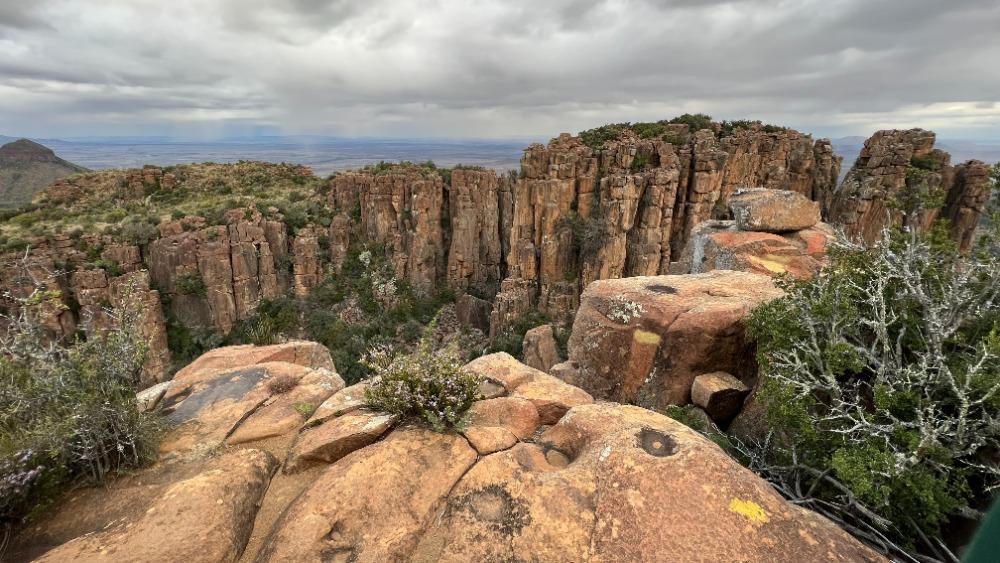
[67,411]
[427,384]
[883,390]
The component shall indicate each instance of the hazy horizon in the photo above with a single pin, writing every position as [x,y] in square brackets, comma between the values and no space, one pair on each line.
[329,154]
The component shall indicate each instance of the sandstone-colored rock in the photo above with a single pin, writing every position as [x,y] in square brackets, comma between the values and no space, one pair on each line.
[473,312]
[688,325]
[619,483]
[639,200]
[303,353]
[284,411]
[135,285]
[720,245]
[773,211]
[606,482]
[497,424]
[374,504]
[149,398]
[891,162]
[719,394]
[246,393]
[966,201]
[402,208]
[504,369]
[337,437]
[551,397]
[750,425]
[307,269]
[474,257]
[206,518]
[342,402]
[540,349]
[516,300]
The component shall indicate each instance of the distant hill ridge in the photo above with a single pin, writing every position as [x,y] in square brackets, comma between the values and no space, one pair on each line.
[27,167]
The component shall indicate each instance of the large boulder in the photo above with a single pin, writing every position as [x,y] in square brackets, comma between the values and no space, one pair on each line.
[551,396]
[374,504]
[773,211]
[644,340]
[302,353]
[540,348]
[719,394]
[243,394]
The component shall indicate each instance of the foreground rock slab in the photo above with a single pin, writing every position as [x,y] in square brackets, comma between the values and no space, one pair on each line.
[374,504]
[206,518]
[643,340]
[542,473]
[629,485]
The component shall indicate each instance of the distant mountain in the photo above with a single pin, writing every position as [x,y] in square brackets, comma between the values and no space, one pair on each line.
[26,167]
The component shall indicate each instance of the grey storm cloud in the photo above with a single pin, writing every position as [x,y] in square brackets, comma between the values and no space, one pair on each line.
[496,68]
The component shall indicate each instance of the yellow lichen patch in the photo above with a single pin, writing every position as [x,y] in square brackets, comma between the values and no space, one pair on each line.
[772,263]
[646,337]
[750,510]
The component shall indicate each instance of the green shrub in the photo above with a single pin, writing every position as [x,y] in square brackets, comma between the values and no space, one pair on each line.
[882,389]
[139,231]
[270,321]
[640,162]
[512,341]
[427,384]
[926,162]
[190,284]
[596,137]
[695,122]
[68,414]
[365,305]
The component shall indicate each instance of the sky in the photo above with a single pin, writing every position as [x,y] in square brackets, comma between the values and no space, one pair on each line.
[493,68]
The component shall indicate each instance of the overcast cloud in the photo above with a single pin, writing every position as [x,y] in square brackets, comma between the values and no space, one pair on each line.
[485,68]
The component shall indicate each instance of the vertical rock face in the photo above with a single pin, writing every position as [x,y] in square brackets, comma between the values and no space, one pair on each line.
[966,201]
[558,183]
[895,169]
[826,172]
[135,286]
[474,257]
[402,209]
[628,209]
[307,267]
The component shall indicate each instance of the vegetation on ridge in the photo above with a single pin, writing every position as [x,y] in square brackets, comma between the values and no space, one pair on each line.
[596,138]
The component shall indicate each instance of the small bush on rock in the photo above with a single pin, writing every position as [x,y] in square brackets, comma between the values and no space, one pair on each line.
[427,384]
[883,390]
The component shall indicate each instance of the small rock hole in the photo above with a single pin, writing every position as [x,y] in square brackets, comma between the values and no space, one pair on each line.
[657,443]
[660,288]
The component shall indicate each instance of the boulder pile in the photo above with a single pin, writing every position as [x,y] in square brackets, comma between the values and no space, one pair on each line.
[775,232]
